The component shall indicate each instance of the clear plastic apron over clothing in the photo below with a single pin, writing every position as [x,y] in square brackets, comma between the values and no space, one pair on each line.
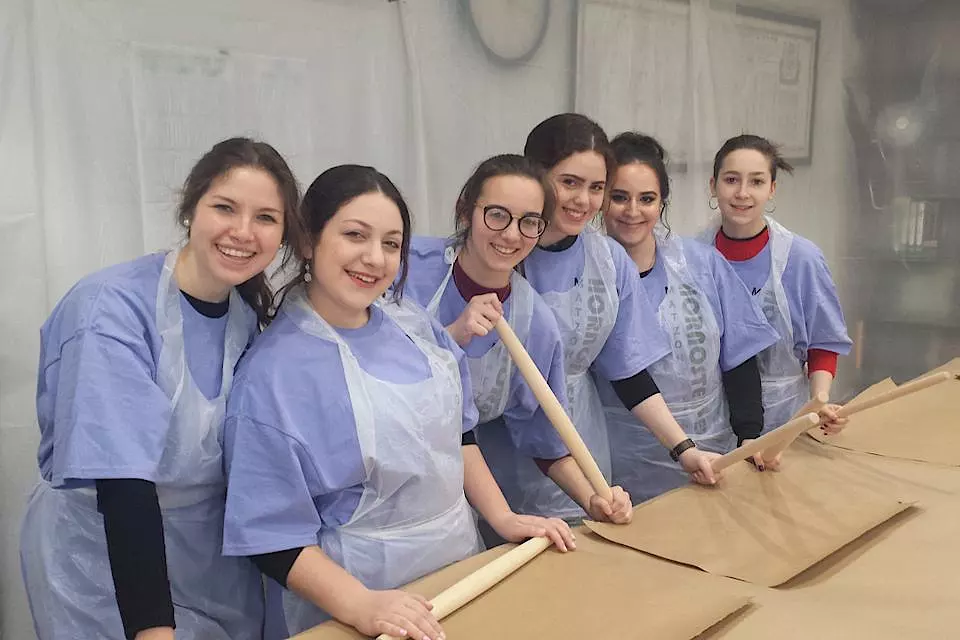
[586,314]
[689,379]
[413,517]
[490,374]
[785,384]
[64,552]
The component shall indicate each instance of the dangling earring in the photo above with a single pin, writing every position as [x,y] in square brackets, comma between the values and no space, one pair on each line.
[769,202]
[713,203]
[307,276]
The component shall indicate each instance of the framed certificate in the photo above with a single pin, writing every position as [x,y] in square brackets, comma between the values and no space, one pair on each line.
[636,63]
[780,54]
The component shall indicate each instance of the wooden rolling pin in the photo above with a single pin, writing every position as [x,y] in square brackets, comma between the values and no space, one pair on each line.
[813,405]
[483,579]
[848,410]
[554,410]
[787,432]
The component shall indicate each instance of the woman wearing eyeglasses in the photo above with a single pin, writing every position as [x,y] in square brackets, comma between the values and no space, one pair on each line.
[469,282]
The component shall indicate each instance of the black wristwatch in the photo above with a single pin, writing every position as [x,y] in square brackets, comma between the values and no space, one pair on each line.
[680,448]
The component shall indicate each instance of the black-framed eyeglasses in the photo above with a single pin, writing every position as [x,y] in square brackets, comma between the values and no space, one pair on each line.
[497,218]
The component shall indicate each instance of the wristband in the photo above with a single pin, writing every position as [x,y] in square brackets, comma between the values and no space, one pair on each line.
[680,448]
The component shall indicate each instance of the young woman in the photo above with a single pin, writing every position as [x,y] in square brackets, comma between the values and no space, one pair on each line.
[122,537]
[468,283]
[606,321]
[786,273]
[344,435]
[710,379]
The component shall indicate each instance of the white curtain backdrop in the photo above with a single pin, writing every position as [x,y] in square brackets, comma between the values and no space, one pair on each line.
[105,104]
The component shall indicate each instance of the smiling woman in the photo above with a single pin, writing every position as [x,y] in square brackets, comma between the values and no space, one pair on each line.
[349,412]
[608,326]
[788,276]
[136,363]
[355,259]
[468,283]
[235,228]
[235,219]
[709,379]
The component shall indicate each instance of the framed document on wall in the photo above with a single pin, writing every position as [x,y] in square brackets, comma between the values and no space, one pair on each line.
[780,55]
[694,75]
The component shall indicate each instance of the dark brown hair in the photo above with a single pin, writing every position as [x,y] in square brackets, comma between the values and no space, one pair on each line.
[560,136]
[330,191]
[631,147]
[508,164]
[749,141]
[217,162]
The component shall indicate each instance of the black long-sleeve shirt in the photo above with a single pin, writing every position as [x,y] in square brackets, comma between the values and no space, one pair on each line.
[745,399]
[133,526]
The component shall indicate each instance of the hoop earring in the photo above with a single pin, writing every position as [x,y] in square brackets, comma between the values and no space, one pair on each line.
[713,203]
[769,202]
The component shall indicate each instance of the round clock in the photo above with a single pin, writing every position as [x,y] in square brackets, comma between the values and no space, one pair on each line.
[510,30]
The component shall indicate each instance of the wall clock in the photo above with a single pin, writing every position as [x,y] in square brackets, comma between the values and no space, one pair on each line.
[510,31]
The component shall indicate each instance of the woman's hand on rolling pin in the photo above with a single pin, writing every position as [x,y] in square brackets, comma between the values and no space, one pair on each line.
[699,465]
[830,421]
[395,613]
[477,319]
[514,527]
[618,511]
[761,463]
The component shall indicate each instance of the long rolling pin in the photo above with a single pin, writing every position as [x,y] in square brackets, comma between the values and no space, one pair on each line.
[554,410]
[813,405]
[848,410]
[483,579]
[786,432]
[856,407]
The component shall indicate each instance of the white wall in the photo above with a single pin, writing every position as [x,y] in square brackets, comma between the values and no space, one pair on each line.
[23,303]
[473,107]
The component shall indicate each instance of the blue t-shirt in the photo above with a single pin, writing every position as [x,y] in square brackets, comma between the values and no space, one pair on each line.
[292,454]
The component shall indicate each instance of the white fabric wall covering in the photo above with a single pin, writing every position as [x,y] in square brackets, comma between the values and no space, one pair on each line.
[24,302]
[105,105]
